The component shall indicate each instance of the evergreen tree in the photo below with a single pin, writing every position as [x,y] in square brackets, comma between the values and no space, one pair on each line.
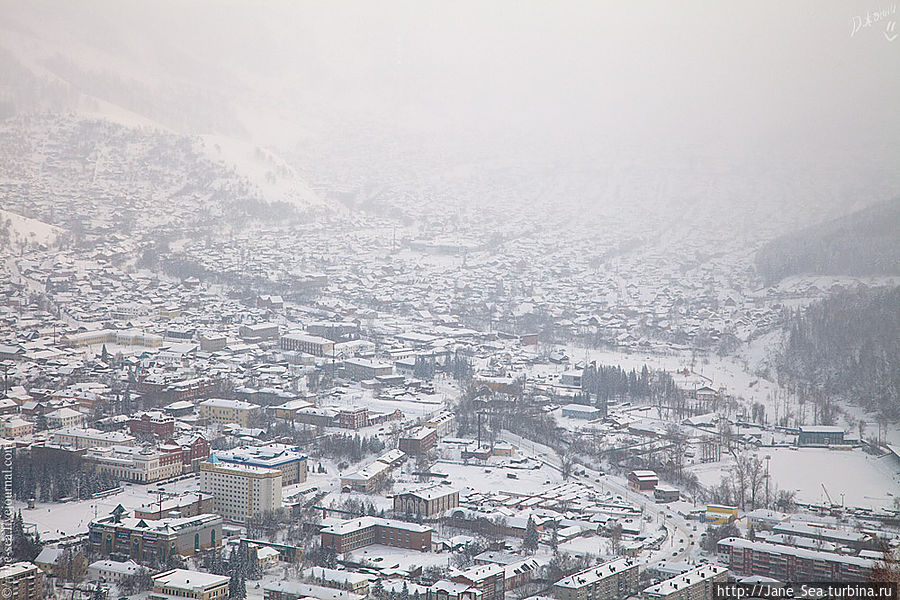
[530,542]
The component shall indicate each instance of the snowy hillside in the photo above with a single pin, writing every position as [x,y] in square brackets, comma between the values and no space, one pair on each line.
[21,230]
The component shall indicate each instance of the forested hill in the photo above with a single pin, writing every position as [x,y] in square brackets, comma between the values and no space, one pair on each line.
[862,243]
[848,346]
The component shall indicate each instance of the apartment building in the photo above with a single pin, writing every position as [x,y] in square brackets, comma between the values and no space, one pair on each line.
[21,581]
[696,584]
[182,583]
[643,481]
[297,590]
[112,571]
[13,427]
[427,502]
[310,344]
[490,580]
[347,536]
[418,441]
[222,411]
[787,563]
[444,423]
[353,418]
[259,332]
[450,590]
[240,491]
[613,580]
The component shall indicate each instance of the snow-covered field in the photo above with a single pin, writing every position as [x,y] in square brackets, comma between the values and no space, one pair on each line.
[493,477]
[54,519]
[862,480]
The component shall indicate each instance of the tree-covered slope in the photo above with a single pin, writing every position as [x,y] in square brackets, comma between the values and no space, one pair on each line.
[847,346]
[863,243]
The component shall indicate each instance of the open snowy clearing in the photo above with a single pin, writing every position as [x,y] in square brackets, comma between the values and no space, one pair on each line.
[862,480]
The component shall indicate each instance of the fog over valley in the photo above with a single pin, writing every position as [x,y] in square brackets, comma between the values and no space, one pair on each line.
[458,300]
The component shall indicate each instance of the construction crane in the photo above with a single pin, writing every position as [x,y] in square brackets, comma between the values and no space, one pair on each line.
[830,501]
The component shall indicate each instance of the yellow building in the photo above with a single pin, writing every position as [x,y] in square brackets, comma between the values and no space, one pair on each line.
[21,581]
[240,491]
[222,411]
[15,427]
[182,583]
[718,514]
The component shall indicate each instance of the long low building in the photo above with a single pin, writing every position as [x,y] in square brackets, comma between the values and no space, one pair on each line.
[347,536]
[359,369]
[356,583]
[787,563]
[296,590]
[851,539]
[79,438]
[142,539]
[367,478]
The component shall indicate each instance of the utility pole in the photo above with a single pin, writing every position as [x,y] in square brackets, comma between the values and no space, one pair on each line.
[479,429]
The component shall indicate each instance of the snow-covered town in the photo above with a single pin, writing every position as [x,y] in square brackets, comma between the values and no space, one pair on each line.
[243,370]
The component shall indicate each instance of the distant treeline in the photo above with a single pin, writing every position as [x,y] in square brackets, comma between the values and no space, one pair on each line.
[862,243]
[847,346]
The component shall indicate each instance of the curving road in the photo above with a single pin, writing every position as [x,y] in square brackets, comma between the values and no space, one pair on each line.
[677,546]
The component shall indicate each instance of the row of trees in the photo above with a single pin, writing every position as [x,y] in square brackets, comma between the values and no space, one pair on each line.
[25,546]
[353,448]
[51,482]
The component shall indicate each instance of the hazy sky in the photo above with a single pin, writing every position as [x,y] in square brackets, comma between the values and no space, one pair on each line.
[769,78]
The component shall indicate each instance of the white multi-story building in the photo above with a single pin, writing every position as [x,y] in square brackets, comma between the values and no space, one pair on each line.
[64,417]
[240,491]
[310,344]
[287,459]
[443,422]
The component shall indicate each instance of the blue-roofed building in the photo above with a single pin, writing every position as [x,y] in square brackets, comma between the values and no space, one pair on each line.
[288,459]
